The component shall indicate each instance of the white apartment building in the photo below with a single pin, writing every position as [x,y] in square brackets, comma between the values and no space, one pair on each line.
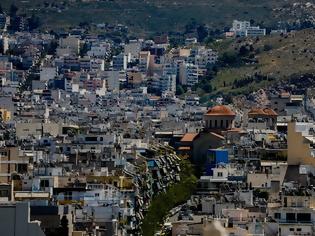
[206,57]
[97,65]
[168,83]
[255,32]
[100,50]
[113,79]
[240,25]
[71,43]
[144,60]
[132,49]
[189,74]
[244,29]
[120,62]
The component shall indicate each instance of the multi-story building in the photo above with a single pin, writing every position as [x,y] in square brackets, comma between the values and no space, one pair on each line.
[168,83]
[295,215]
[132,49]
[15,220]
[101,50]
[189,74]
[72,43]
[11,163]
[244,29]
[120,62]
[255,32]
[144,60]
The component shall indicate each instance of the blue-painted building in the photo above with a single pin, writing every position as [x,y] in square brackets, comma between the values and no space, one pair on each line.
[215,157]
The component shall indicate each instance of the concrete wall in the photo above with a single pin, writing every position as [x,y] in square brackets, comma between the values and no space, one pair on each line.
[25,129]
[263,180]
[15,220]
[291,229]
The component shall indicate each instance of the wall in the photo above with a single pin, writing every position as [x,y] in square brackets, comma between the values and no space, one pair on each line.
[15,220]
[299,152]
[202,144]
[285,229]
[25,129]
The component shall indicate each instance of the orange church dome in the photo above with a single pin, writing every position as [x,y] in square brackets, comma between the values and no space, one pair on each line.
[220,111]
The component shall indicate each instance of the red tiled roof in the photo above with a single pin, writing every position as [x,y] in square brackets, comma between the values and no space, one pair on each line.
[189,137]
[217,135]
[220,111]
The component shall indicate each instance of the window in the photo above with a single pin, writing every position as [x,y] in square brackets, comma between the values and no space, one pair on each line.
[68,196]
[4,193]
[299,229]
[220,174]
[277,215]
[44,183]
[291,217]
[291,229]
[97,194]
[303,217]
[90,139]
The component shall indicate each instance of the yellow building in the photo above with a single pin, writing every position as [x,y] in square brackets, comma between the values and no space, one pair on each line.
[5,114]
[120,182]
[301,143]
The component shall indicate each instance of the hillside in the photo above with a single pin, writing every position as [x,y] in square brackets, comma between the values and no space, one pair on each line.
[150,15]
[267,61]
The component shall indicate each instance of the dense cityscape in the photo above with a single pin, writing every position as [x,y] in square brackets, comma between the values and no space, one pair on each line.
[200,132]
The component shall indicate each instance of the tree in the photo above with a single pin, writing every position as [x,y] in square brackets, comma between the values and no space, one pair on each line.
[51,48]
[202,33]
[84,24]
[243,50]
[209,40]
[175,195]
[84,49]
[180,90]
[1,9]
[33,22]
[207,88]
[64,230]
[191,25]
[13,10]
[228,58]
